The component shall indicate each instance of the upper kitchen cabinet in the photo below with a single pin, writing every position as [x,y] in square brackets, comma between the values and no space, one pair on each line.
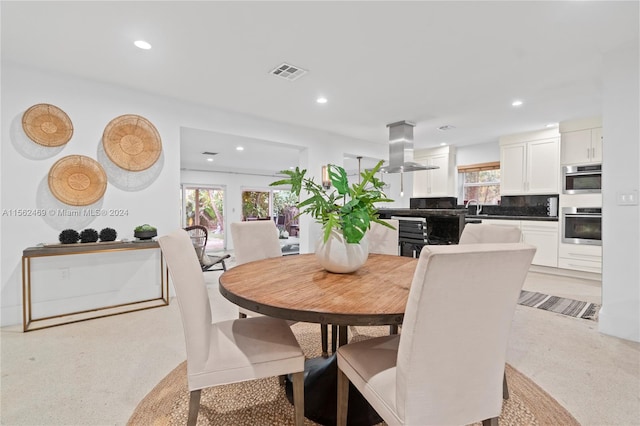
[530,163]
[436,182]
[581,141]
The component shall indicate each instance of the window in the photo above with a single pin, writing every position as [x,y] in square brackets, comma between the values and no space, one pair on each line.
[481,182]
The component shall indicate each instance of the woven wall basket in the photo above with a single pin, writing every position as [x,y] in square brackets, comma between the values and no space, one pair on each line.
[77,180]
[47,125]
[132,142]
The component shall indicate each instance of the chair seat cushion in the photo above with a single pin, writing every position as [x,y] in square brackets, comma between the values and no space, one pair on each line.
[371,367]
[246,349]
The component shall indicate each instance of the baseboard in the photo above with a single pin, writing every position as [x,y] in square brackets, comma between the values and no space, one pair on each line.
[566,273]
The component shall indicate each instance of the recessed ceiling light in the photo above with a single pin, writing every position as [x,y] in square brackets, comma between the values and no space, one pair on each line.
[239,148]
[210,160]
[552,125]
[516,103]
[321,100]
[291,167]
[443,144]
[142,44]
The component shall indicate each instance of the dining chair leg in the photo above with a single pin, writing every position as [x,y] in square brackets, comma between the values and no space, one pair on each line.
[298,397]
[324,338]
[505,387]
[493,421]
[241,315]
[334,338]
[342,335]
[343,399]
[393,329]
[194,406]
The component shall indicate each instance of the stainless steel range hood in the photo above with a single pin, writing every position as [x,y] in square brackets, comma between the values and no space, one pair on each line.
[401,149]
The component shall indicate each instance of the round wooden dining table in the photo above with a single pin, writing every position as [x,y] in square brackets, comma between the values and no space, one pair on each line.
[297,288]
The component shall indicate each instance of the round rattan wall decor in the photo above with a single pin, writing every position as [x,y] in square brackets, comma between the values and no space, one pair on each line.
[132,142]
[47,125]
[77,180]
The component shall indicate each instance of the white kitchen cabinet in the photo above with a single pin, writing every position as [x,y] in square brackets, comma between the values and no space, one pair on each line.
[530,167]
[543,235]
[513,160]
[581,146]
[436,182]
[578,257]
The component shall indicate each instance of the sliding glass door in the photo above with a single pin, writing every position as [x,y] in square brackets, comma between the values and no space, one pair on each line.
[204,205]
[274,204]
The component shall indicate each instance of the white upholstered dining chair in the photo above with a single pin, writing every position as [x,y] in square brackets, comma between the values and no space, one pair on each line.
[481,233]
[228,351]
[484,234]
[384,240]
[447,365]
[254,240]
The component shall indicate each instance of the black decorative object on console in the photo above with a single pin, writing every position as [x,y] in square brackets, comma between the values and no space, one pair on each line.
[69,236]
[108,234]
[88,235]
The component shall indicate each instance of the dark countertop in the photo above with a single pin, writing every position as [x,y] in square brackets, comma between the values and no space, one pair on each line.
[505,217]
[422,212]
[459,212]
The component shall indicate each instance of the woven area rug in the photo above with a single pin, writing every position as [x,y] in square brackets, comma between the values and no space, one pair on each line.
[560,305]
[263,402]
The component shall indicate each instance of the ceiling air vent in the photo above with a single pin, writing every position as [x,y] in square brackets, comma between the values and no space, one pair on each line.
[288,72]
[209,153]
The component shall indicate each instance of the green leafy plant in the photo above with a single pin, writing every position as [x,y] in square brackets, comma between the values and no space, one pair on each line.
[347,208]
[144,228]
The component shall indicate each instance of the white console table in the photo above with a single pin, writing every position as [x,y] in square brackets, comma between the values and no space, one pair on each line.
[119,266]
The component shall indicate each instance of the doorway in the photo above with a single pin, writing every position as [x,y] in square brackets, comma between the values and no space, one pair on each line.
[204,205]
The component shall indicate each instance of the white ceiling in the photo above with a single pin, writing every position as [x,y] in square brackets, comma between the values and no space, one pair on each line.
[431,62]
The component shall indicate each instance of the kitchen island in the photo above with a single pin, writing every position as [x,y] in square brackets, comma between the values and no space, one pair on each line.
[420,227]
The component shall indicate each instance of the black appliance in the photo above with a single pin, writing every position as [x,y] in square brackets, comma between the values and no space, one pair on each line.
[433,203]
[415,232]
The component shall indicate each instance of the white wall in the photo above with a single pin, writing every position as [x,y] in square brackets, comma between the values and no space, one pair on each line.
[91,105]
[620,314]
[480,153]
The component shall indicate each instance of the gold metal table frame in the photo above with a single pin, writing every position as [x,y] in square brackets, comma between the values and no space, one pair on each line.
[29,323]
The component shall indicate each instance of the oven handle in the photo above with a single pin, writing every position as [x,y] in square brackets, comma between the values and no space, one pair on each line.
[592,172]
[595,216]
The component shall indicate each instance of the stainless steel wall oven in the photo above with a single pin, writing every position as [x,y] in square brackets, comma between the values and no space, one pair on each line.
[582,225]
[582,179]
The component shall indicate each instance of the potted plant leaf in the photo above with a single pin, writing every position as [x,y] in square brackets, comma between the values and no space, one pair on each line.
[345,212]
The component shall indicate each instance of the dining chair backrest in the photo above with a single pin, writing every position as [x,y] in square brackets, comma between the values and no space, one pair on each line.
[383,240]
[487,233]
[255,240]
[199,236]
[191,293]
[452,349]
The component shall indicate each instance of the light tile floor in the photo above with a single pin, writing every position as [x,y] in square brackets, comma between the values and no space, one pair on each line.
[95,372]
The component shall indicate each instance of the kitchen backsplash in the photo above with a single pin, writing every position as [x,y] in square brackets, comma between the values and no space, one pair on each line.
[521,205]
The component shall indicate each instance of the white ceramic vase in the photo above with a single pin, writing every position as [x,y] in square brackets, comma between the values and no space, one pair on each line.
[338,256]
